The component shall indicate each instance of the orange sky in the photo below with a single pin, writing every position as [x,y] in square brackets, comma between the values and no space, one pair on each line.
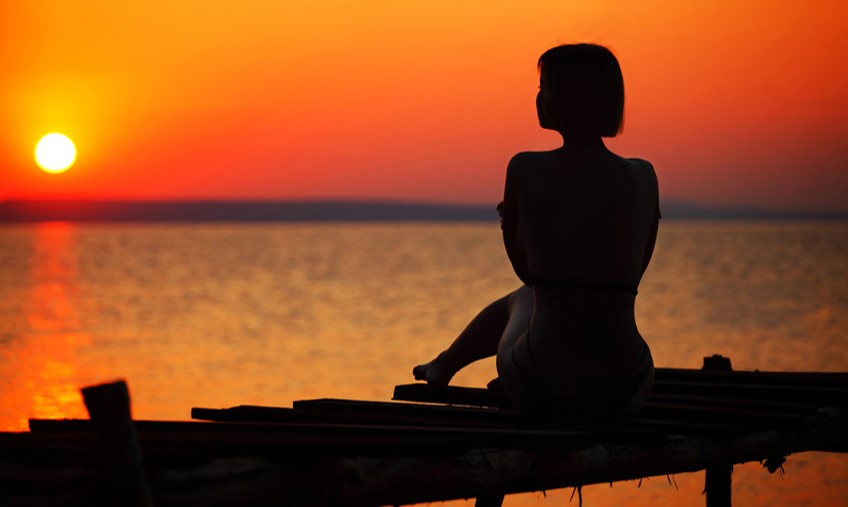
[736,103]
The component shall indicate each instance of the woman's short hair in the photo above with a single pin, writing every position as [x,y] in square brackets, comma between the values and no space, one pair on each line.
[583,90]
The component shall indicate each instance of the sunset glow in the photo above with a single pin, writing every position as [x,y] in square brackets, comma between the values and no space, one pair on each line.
[735,103]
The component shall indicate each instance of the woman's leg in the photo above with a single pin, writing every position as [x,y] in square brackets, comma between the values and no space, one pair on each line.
[520,312]
[509,378]
[479,339]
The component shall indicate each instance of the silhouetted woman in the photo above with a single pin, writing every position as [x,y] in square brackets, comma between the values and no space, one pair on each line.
[579,225]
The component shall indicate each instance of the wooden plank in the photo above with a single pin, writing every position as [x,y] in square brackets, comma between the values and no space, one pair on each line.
[732,415]
[334,410]
[245,413]
[42,450]
[768,415]
[452,395]
[412,410]
[617,430]
[753,419]
[355,412]
[810,379]
[342,439]
[436,415]
[791,408]
[791,394]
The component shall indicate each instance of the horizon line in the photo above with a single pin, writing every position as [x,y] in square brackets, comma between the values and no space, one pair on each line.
[674,202]
[330,209]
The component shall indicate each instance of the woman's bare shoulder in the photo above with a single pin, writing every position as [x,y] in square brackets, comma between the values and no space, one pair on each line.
[518,165]
[643,169]
[527,159]
[640,163]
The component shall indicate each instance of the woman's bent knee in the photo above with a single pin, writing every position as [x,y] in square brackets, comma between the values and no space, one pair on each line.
[521,300]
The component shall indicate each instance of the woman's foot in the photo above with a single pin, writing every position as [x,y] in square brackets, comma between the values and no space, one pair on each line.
[436,373]
[495,385]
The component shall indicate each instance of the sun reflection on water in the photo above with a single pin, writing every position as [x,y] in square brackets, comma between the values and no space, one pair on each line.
[43,379]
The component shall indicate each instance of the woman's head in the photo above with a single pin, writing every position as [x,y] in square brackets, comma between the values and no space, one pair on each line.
[581,91]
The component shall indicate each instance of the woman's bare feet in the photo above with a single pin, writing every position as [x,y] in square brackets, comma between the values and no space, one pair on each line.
[437,372]
[495,385]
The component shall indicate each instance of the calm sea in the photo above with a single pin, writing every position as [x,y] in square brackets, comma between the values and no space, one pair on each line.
[226,314]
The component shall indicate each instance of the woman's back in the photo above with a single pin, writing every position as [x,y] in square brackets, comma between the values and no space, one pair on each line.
[584,223]
[584,218]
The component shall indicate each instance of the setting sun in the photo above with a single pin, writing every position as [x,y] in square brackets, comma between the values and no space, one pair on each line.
[55,153]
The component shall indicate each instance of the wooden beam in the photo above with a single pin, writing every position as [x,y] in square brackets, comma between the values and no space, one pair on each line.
[482,471]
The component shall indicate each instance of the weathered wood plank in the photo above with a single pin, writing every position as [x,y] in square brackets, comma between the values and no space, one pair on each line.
[451,395]
[793,394]
[752,419]
[334,410]
[412,411]
[782,407]
[286,439]
[775,378]
[739,414]
[637,428]
[766,392]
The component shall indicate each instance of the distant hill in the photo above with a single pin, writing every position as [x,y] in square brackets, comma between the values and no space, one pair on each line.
[682,210]
[238,211]
[323,211]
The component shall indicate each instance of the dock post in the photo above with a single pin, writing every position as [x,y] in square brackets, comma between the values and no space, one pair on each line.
[491,500]
[109,409]
[718,477]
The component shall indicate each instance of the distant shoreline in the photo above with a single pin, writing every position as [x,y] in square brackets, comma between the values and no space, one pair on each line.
[331,211]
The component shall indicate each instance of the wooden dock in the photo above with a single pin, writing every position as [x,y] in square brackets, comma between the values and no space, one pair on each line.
[429,444]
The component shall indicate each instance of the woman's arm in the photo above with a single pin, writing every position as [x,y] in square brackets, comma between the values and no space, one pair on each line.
[652,234]
[510,218]
[652,239]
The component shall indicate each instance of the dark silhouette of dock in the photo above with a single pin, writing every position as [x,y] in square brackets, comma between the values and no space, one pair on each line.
[429,444]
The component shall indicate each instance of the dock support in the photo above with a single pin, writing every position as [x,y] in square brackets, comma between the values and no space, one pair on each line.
[718,477]
[493,500]
[109,409]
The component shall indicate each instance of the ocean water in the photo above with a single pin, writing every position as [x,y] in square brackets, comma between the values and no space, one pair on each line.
[218,315]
